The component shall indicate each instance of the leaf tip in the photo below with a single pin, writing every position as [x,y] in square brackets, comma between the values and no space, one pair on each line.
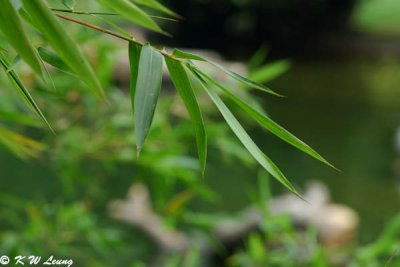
[323,160]
[138,151]
[280,95]
[297,194]
[203,171]
[52,130]
[166,34]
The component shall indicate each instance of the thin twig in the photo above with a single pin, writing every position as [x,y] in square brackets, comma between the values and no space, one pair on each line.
[100,29]
[79,12]
[82,12]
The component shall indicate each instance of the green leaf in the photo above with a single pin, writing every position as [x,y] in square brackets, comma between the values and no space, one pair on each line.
[20,145]
[270,71]
[134,58]
[70,4]
[113,25]
[182,84]
[156,6]
[67,49]
[148,87]
[132,12]
[14,62]
[53,59]
[266,122]
[256,248]
[12,28]
[246,140]
[258,58]
[180,54]
[245,81]
[15,80]
[19,118]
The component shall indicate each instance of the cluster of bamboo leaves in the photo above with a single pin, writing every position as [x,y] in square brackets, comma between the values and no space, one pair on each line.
[146,63]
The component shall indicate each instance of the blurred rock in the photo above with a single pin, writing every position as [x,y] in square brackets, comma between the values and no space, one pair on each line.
[396,163]
[136,210]
[397,141]
[336,224]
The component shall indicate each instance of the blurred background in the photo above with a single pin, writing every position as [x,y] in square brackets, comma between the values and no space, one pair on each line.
[342,87]
[337,63]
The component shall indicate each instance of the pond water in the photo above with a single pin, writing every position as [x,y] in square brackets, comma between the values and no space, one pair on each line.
[349,112]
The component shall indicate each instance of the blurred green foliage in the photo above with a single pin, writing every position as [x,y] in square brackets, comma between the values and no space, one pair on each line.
[377,16]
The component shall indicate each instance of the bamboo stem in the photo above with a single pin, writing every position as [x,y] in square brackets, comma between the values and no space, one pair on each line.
[82,12]
[100,29]
[78,12]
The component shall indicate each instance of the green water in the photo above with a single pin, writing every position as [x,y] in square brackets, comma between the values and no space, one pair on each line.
[349,113]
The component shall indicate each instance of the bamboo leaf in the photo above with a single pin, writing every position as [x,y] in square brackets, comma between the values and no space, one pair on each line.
[22,12]
[14,62]
[163,18]
[12,28]
[258,58]
[22,146]
[67,49]
[244,80]
[70,4]
[185,55]
[182,84]
[22,90]
[114,26]
[267,122]
[19,118]
[148,87]
[17,4]
[132,12]
[270,71]
[246,140]
[134,58]
[53,59]
[157,6]
[180,54]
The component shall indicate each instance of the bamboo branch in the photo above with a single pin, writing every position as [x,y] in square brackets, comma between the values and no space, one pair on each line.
[117,35]
[78,12]
[82,12]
